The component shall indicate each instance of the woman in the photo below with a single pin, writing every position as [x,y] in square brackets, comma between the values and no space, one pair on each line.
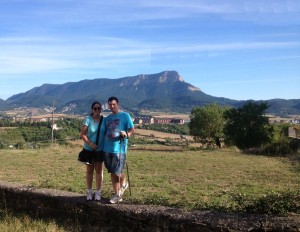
[89,136]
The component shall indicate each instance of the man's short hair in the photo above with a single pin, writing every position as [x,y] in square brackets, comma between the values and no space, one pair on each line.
[113,99]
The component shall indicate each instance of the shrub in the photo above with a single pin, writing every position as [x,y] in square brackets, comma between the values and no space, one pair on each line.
[276,203]
[281,145]
[282,148]
[273,203]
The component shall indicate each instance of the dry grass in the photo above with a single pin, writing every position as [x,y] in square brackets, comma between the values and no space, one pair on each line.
[181,178]
[187,179]
[158,134]
[24,223]
[165,115]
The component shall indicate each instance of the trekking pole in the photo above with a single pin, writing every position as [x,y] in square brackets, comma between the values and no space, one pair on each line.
[127,169]
[120,151]
[128,178]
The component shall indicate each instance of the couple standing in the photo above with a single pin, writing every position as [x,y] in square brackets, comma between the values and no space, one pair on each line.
[115,129]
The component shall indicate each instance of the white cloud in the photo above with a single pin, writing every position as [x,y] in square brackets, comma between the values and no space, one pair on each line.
[41,54]
[73,38]
[90,11]
[224,47]
[36,54]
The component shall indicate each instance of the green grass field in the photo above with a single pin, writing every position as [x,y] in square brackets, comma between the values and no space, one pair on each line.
[220,179]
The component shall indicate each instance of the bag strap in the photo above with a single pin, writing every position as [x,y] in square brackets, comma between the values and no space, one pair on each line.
[99,130]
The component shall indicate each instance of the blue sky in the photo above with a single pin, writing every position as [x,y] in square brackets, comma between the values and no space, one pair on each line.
[235,49]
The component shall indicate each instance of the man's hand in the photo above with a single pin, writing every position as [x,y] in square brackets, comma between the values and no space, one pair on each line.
[123,134]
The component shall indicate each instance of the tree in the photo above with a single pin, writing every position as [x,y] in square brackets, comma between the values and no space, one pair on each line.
[247,126]
[206,123]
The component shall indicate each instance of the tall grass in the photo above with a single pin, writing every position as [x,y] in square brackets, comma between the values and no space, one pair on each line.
[23,223]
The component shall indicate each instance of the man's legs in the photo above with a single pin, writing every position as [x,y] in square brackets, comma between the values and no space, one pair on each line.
[117,182]
[115,165]
[122,180]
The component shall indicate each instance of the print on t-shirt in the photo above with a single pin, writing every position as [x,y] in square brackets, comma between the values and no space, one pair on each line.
[113,131]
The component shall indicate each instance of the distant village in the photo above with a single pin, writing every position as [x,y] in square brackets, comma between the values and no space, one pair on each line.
[21,116]
[292,119]
[137,120]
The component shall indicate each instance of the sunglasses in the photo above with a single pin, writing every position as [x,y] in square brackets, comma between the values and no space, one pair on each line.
[97,108]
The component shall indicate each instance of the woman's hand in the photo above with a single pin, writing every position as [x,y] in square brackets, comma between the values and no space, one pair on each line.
[93,146]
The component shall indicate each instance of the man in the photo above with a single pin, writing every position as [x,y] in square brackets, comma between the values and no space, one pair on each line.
[116,130]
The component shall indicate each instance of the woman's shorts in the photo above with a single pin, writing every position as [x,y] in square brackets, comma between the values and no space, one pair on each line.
[114,163]
[90,157]
[98,157]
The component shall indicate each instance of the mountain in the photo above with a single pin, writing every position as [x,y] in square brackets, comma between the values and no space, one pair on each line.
[3,104]
[284,107]
[165,91]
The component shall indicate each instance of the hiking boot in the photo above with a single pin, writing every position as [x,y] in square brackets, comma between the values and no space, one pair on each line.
[115,199]
[97,196]
[89,196]
[123,188]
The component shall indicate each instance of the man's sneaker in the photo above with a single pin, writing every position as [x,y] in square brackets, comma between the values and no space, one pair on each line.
[97,196]
[115,199]
[89,196]
[123,188]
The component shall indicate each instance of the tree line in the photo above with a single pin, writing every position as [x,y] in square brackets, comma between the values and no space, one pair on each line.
[37,134]
[246,127]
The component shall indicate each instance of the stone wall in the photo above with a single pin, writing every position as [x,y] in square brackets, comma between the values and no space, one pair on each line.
[72,208]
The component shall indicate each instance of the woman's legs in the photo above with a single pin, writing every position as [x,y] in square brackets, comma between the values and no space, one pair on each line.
[99,175]
[89,181]
[89,176]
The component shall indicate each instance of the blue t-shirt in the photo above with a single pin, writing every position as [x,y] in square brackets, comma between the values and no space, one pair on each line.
[92,133]
[111,128]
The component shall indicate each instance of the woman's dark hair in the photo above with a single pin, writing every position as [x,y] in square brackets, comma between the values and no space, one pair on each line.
[93,104]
